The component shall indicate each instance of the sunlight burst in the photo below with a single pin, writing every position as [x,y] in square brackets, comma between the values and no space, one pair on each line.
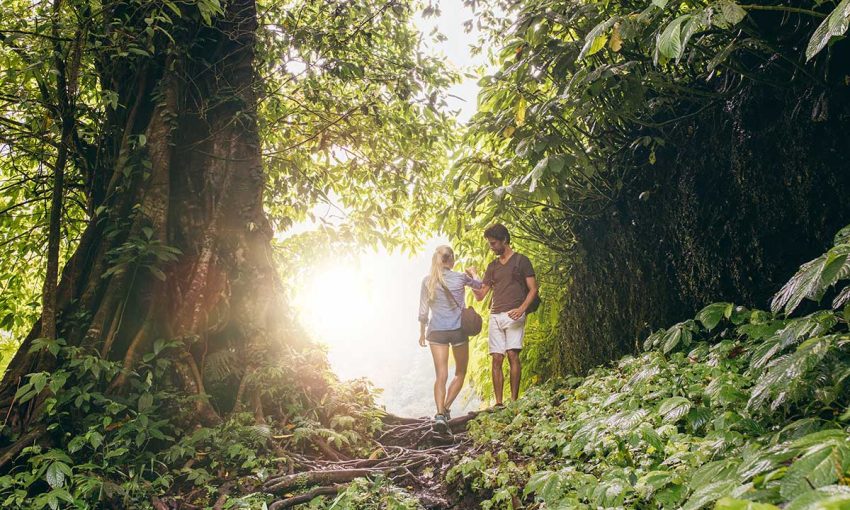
[337,305]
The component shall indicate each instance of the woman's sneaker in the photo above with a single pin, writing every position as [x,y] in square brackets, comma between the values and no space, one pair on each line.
[441,424]
[448,414]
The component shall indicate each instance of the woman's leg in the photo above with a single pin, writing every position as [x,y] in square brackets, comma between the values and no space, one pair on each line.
[440,353]
[461,354]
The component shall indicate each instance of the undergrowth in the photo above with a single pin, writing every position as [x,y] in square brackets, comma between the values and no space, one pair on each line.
[105,450]
[735,409]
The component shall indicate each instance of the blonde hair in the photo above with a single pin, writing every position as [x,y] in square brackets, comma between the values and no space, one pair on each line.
[441,255]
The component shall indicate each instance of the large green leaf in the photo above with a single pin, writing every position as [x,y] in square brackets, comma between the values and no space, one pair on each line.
[547,485]
[742,504]
[834,25]
[669,42]
[821,498]
[816,469]
[709,494]
[674,408]
[596,38]
[711,315]
[732,12]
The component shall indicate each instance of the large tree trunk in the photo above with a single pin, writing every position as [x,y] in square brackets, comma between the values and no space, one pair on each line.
[179,167]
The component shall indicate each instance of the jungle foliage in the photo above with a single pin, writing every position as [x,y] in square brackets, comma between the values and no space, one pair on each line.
[332,102]
[149,134]
[351,113]
[737,408]
[653,155]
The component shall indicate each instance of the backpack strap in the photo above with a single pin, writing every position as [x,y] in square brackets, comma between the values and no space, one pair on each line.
[451,296]
[519,278]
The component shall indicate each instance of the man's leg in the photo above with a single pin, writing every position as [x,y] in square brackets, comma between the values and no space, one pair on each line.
[498,377]
[440,353]
[461,354]
[497,340]
[516,372]
[514,333]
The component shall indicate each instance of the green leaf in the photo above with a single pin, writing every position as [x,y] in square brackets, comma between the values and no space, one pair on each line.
[546,485]
[669,43]
[834,25]
[823,498]
[711,315]
[742,504]
[710,493]
[145,402]
[814,470]
[732,12]
[674,408]
[55,474]
[833,265]
[596,38]
[38,381]
[157,272]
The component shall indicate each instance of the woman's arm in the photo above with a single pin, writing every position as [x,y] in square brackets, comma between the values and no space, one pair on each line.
[423,313]
[471,279]
[479,288]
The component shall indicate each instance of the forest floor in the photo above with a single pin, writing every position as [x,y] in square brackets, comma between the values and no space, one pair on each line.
[409,453]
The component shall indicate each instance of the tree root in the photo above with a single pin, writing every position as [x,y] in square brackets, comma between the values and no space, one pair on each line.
[285,483]
[15,448]
[307,496]
[413,454]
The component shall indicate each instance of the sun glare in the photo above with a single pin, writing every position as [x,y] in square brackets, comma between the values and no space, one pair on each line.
[337,305]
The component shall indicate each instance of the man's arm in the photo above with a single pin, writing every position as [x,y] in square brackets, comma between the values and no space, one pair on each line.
[517,312]
[481,293]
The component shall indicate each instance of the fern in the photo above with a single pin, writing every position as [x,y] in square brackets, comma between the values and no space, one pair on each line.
[220,365]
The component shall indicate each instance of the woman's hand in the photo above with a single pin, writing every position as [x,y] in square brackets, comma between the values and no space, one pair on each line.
[472,272]
[422,340]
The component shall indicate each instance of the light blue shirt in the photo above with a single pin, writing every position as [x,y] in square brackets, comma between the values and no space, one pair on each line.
[445,312]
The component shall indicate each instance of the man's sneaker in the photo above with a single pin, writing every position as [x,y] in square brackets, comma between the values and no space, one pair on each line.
[441,425]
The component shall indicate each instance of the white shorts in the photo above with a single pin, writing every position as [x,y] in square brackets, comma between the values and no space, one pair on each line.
[505,333]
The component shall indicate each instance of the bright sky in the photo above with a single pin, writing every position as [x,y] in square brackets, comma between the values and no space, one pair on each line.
[456,50]
[375,297]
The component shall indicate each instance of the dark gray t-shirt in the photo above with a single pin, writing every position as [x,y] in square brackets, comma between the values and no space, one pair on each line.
[508,282]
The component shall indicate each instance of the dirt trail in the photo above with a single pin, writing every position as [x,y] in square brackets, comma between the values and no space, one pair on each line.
[410,453]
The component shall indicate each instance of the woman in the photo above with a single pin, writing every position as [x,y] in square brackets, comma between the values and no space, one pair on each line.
[442,294]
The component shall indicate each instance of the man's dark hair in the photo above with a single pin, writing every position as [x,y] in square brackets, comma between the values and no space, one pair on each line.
[498,232]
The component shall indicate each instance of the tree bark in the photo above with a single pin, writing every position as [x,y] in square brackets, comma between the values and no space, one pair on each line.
[179,169]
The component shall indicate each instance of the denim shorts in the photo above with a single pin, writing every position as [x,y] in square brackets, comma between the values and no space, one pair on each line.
[454,337]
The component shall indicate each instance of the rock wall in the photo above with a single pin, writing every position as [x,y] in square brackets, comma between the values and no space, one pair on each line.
[740,196]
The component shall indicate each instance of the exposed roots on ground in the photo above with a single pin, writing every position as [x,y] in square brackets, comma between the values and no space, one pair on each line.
[409,452]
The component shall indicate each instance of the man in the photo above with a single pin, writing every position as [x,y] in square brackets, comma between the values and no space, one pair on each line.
[511,277]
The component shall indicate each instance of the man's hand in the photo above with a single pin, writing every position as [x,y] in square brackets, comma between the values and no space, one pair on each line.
[516,313]
[422,340]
